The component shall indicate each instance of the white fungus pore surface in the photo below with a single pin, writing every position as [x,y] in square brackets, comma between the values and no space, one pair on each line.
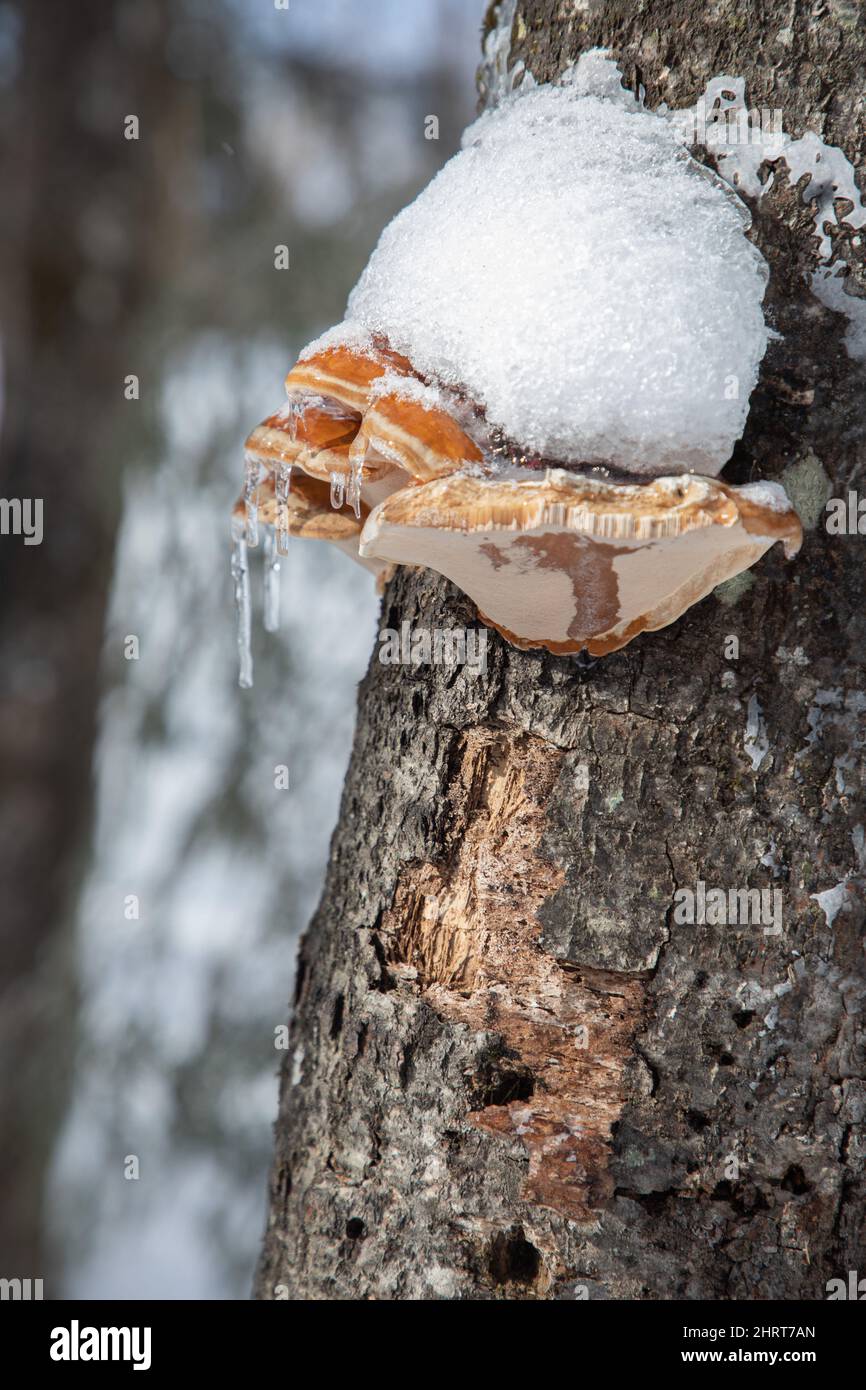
[582,278]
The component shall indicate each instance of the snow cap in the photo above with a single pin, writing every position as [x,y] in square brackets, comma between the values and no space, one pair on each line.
[581,278]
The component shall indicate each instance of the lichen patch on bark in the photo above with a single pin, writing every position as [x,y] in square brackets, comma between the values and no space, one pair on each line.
[467,929]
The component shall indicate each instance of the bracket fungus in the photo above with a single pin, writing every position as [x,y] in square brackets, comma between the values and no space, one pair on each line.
[544,367]
[570,562]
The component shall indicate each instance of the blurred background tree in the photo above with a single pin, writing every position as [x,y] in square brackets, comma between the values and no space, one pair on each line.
[154,1036]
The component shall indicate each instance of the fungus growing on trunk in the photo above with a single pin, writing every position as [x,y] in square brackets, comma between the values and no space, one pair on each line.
[545,364]
[306,512]
[570,562]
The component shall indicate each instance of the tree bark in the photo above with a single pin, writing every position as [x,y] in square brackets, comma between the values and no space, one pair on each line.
[513,1074]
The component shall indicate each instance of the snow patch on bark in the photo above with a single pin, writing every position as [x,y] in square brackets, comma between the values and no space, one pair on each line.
[743,141]
[755,740]
[831,900]
[495,77]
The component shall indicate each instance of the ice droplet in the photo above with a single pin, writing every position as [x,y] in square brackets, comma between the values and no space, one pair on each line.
[338,489]
[282,488]
[251,483]
[243,606]
[356,473]
[353,492]
[272,582]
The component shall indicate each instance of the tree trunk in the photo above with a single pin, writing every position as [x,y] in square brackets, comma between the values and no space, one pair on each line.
[513,1072]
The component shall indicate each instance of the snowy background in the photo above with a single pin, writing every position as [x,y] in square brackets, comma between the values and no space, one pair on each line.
[307,129]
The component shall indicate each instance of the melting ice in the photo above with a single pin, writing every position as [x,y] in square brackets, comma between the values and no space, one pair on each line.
[252,472]
[282,488]
[338,489]
[271,583]
[243,605]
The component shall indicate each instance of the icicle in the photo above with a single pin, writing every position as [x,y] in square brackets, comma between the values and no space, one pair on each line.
[282,488]
[338,489]
[356,473]
[243,606]
[251,483]
[353,493]
[272,582]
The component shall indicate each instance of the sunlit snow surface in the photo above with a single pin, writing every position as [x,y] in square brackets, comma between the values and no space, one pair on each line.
[177,1063]
[581,277]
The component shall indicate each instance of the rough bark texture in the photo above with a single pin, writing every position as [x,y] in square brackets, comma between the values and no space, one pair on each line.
[513,1073]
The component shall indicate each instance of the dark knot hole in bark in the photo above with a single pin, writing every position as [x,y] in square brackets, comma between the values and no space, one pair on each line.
[499,1080]
[512,1259]
[795,1181]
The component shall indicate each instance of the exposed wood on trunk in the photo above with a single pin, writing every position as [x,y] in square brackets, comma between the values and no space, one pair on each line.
[469,934]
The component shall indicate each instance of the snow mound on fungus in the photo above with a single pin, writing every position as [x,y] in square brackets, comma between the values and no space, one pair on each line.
[582,278]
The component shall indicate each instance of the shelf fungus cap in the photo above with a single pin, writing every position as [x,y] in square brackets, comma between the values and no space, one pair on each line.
[357,409]
[570,562]
[344,370]
[412,425]
[315,435]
